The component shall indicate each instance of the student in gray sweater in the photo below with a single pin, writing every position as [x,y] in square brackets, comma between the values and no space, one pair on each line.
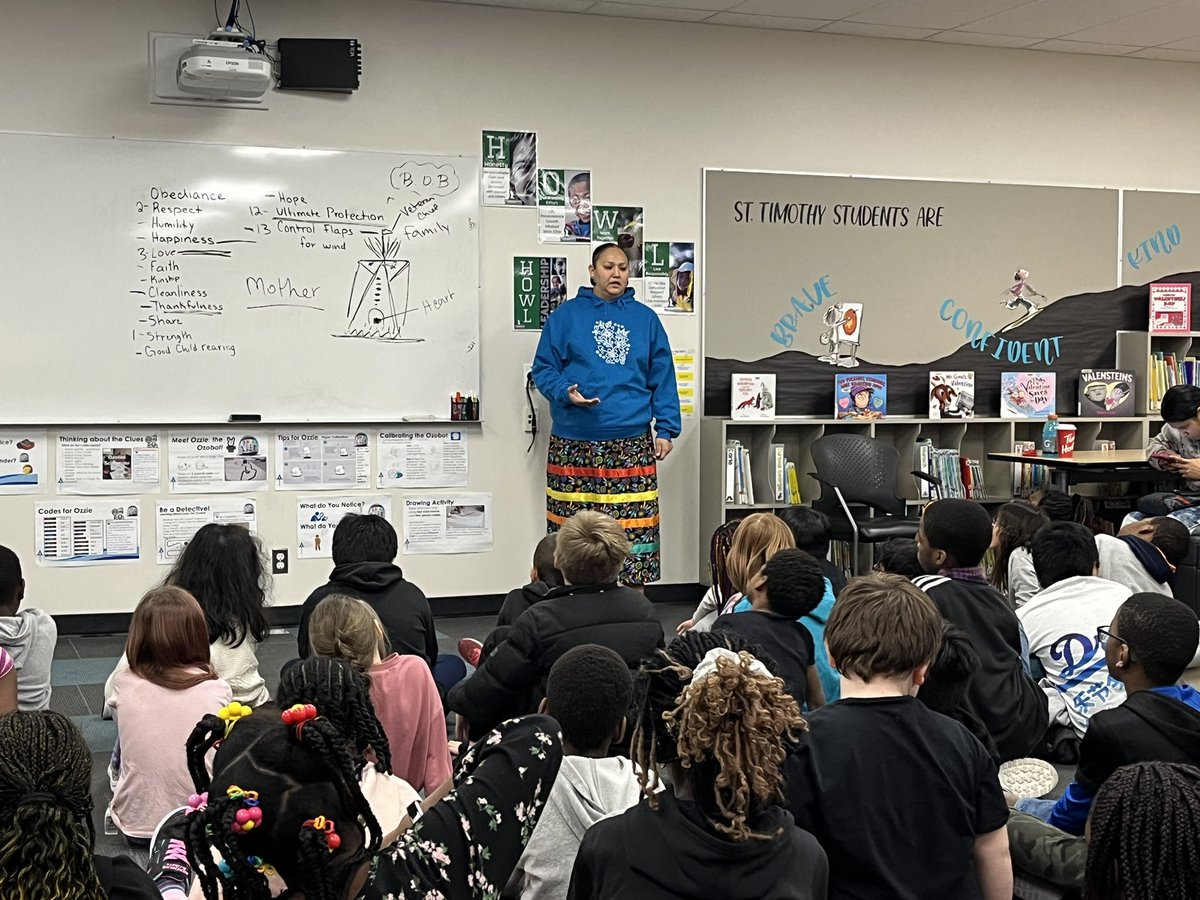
[1144,554]
[588,692]
[29,636]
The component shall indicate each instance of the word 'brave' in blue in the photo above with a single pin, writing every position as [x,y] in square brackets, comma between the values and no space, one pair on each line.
[786,327]
[1159,242]
[1046,350]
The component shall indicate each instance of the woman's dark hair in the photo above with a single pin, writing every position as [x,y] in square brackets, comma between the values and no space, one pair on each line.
[298,773]
[1018,522]
[46,806]
[718,552]
[340,692]
[224,568]
[1180,403]
[1063,507]
[731,731]
[600,248]
[1145,822]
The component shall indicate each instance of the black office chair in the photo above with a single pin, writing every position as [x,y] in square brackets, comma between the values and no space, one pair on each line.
[861,471]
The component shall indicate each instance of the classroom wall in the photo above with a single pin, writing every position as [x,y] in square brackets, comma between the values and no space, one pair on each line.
[646,104]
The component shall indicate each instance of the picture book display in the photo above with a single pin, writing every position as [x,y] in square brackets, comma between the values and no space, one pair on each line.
[860,396]
[1027,395]
[1106,392]
[753,396]
[1170,308]
[951,395]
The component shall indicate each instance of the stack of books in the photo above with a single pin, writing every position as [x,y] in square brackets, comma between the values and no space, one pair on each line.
[1167,370]
[1028,478]
[783,482]
[961,476]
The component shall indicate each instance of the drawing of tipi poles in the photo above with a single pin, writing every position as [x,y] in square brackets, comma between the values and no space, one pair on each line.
[378,284]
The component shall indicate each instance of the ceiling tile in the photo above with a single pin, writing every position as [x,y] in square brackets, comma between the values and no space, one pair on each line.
[1086,47]
[933,13]
[804,9]
[633,11]
[1054,18]
[1167,53]
[741,20]
[862,29]
[981,40]
[1154,26]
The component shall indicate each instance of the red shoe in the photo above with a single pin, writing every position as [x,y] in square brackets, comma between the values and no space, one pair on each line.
[470,650]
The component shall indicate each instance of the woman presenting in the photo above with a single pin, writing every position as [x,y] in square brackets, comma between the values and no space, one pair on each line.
[605,366]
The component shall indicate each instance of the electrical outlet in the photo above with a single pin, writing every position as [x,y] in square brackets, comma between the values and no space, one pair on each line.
[279,562]
[528,422]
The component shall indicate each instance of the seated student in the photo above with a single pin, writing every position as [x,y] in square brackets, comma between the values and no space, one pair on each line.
[364,547]
[1012,573]
[813,533]
[402,691]
[46,807]
[904,800]
[588,692]
[949,681]
[952,538]
[1144,554]
[29,635]
[720,725]
[898,556]
[543,576]
[1143,843]
[788,587]
[1060,621]
[720,596]
[318,837]
[591,608]
[1151,640]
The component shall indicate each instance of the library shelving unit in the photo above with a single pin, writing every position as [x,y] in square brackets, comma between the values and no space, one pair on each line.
[971,437]
[1134,349]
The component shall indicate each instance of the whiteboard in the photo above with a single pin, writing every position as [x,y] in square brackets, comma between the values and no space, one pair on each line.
[163,282]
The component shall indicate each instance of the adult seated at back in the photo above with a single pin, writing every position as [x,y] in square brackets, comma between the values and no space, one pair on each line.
[591,608]
[1144,554]
[29,635]
[1061,620]
[951,541]
[1149,642]
[364,550]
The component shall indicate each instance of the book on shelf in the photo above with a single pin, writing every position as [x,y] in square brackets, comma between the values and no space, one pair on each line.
[1170,308]
[1028,477]
[1105,392]
[951,395]
[1027,395]
[793,483]
[1165,370]
[739,476]
[923,458]
[960,476]
[732,455]
[860,396]
[778,473]
[753,396]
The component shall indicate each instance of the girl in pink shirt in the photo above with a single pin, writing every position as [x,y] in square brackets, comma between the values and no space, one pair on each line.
[169,686]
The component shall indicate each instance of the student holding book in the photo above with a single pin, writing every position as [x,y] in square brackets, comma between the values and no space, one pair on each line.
[1176,450]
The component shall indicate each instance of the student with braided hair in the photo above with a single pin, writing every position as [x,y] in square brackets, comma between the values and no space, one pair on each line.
[46,805]
[314,834]
[1145,835]
[720,724]
[401,688]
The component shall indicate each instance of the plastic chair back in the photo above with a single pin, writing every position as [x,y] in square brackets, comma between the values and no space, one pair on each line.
[862,468]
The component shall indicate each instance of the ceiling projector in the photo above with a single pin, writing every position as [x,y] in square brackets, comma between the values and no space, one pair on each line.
[223,66]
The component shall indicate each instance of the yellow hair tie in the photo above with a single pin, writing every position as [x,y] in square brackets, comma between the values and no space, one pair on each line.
[232,713]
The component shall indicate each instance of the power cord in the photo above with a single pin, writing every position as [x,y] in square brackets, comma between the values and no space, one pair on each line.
[533,423]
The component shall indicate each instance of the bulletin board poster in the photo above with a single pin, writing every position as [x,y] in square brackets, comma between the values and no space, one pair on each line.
[23,460]
[623,226]
[564,206]
[670,269]
[423,459]
[321,460]
[178,521]
[208,462]
[539,286]
[509,168]
[108,463]
[318,517]
[448,523]
[87,534]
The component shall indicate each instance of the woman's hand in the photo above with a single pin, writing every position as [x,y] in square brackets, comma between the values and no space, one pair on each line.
[662,447]
[1185,468]
[578,399]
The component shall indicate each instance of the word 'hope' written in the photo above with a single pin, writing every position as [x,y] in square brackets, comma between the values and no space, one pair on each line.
[1046,349]
[783,330]
[1159,242]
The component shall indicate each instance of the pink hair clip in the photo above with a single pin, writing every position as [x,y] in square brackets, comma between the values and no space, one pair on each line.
[197,802]
[249,816]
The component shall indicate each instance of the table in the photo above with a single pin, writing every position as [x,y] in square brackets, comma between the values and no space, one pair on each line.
[1090,466]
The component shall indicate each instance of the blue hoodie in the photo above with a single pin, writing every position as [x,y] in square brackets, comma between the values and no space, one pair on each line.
[616,350]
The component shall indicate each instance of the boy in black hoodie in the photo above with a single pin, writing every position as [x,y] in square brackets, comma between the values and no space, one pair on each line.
[363,550]
[1149,644]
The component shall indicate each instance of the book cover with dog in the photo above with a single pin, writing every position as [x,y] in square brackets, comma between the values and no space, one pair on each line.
[951,395]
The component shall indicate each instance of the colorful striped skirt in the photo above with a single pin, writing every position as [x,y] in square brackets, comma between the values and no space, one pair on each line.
[619,478]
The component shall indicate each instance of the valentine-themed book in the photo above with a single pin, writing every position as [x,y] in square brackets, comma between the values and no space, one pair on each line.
[1105,392]
[1027,395]
[1170,308]
[859,396]
[951,395]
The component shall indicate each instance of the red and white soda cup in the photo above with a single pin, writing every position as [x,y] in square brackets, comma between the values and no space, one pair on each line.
[1066,440]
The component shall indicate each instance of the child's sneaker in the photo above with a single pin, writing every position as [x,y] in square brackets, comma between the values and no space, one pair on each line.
[168,866]
[470,650]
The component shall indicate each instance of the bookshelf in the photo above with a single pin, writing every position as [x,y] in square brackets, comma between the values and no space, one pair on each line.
[971,437]
[1134,351]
